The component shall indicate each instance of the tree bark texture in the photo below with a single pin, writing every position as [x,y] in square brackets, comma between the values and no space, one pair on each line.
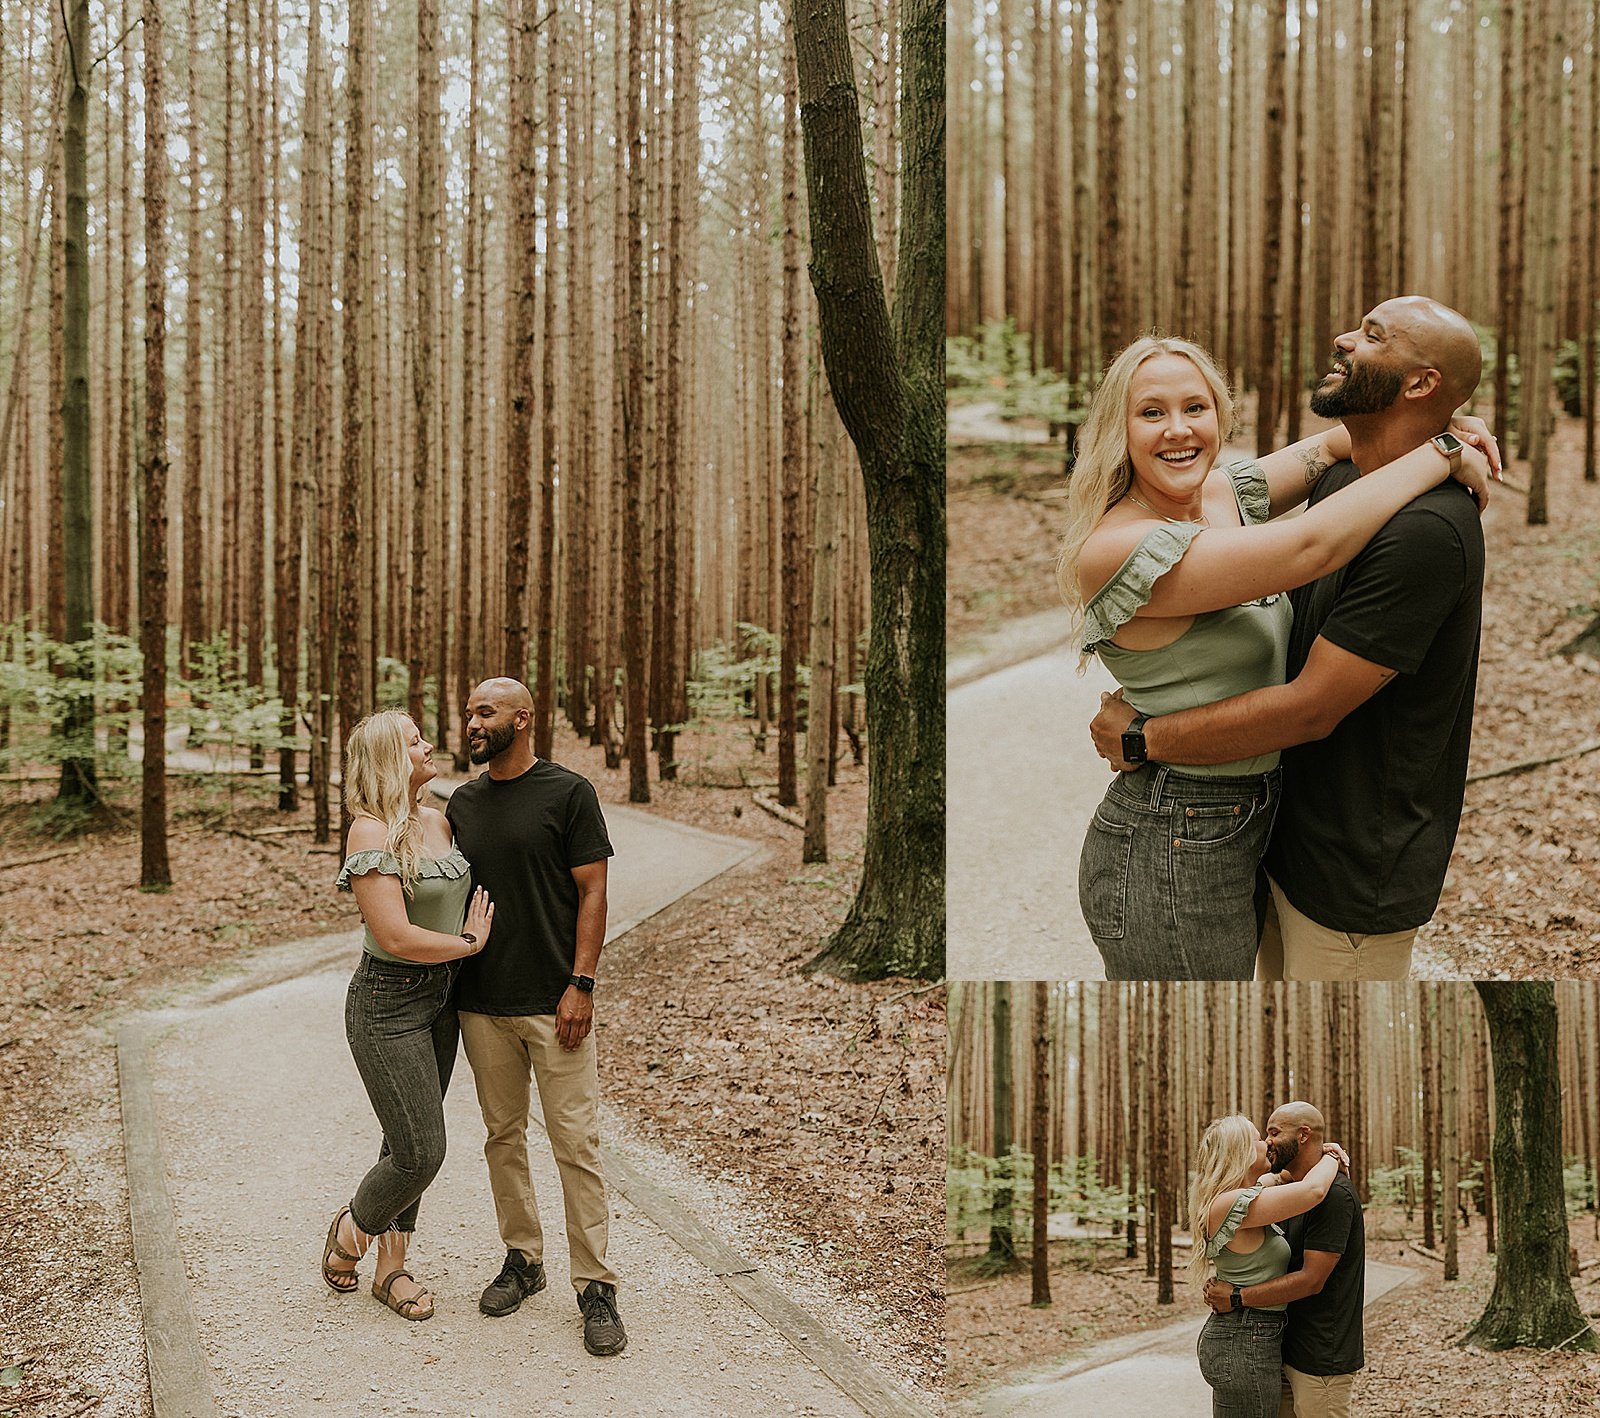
[888,386]
[1532,1303]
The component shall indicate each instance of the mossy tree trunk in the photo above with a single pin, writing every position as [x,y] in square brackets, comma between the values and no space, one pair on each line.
[1532,1304]
[887,382]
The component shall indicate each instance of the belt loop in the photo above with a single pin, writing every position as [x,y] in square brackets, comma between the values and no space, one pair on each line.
[1157,783]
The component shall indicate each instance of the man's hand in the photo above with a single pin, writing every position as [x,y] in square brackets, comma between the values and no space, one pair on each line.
[1219,1295]
[1106,730]
[574,1018]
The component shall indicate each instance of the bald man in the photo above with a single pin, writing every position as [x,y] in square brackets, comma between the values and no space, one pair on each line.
[537,841]
[1376,715]
[1323,1344]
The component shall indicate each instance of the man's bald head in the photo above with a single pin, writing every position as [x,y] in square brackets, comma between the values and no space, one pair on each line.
[1438,338]
[1294,1135]
[510,693]
[499,718]
[1298,1115]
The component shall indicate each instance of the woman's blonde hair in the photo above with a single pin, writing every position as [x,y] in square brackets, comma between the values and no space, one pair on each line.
[1101,474]
[1224,1155]
[377,783]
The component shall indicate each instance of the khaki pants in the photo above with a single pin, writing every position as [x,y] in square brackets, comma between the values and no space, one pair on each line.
[1294,947]
[503,1051]
[1315,1395]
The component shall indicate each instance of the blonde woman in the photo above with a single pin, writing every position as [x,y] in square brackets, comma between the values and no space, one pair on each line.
[1175,574]
[412,885]
[1234,1208]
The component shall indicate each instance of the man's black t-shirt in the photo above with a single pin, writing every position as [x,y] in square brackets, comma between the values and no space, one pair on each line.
[1324,1330]
[523,836]
[1369,814]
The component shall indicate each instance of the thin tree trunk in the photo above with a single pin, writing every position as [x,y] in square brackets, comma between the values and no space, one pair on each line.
[154,870]
[631,364]
[78,776]
[353,531]
[1041,1143]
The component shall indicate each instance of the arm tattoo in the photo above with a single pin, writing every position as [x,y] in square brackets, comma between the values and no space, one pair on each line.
[1316,466]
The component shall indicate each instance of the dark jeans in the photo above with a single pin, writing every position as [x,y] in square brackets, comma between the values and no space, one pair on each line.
[401,1024]
[1241,1357]
[1167,880]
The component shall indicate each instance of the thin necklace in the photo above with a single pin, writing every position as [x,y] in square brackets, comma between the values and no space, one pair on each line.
[1199,521]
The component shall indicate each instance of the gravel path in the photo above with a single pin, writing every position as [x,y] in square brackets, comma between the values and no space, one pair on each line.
[1153,1372]
[1023,781]
[258,1127]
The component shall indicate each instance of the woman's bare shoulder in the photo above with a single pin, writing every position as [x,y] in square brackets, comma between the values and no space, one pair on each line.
[367,834]
[1109,545]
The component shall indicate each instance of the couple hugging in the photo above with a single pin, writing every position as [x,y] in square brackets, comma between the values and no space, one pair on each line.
[509,972]
[1177,571]
[1280,1221]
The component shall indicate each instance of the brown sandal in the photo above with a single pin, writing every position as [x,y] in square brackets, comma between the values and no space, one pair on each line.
[407,1308]
[346,1282]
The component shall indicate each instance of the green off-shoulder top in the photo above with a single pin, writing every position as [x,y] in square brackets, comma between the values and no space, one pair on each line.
[1221,654]
[437,900]
[1268,1261]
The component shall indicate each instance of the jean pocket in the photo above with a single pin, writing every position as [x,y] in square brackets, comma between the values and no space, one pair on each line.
[1215,824]
[1218,1354]
[1103,877]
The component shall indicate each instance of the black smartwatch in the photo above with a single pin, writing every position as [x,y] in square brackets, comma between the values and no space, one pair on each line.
[583,982]
[1238,1299]
[1450,446]
[1133,745]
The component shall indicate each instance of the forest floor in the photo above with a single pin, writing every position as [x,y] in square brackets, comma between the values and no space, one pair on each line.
[1414,1366]
[1523,895]
[813,1105]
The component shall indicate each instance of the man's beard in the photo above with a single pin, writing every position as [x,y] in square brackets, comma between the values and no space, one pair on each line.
[493,743]
[1365,389]
[1282,1154]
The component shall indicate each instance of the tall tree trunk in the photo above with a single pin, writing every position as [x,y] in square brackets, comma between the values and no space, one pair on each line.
[888,384]
[353,531]
[631,365]
[1002,1240]
[1161,1129]
[521,257]
[470,622]
[153,867]
[1449,1128]
[78,781]
[1430,1108]
[1040,1144]
[1532,1303]
[794,619]
[427,219]
[819,706]
[1268,363]
[1114,320]
[544,691]
[192,614]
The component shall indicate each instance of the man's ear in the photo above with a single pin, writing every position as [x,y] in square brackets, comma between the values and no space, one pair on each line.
[1421,384]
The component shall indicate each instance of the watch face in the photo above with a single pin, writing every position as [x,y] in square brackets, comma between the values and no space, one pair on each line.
[1448,444]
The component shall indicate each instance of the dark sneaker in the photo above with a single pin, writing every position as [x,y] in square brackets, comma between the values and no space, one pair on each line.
[602,1325]
[517,1280]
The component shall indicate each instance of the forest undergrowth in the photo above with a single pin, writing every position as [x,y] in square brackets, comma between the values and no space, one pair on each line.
[1413,1365]
[1523,895]
[819,1105]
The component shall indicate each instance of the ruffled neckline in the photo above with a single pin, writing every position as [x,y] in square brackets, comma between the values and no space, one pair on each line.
[450,867]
